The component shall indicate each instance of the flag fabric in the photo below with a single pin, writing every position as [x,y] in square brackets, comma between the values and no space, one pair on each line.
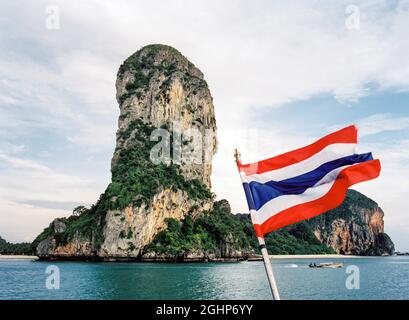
[306,182]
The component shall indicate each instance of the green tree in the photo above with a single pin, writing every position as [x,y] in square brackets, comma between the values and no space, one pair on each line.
[79,211]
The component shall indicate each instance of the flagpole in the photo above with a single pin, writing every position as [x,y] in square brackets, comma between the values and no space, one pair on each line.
[262,246]
[269,268]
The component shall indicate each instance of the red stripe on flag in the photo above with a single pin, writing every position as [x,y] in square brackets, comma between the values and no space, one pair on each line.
[335,196]
[346,135]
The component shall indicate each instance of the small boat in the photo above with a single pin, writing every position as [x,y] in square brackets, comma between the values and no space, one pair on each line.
[326,265]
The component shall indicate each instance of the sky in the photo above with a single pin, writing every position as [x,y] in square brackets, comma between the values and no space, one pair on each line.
[282,74]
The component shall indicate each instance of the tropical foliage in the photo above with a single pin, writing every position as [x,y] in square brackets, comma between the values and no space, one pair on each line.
[135,180]
[7,248]
[213,230]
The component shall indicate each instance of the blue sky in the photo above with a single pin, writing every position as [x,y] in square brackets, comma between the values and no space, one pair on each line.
[282,74]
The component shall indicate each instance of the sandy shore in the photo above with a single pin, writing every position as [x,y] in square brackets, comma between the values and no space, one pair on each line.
[18,257]
[295,256]
[315,256]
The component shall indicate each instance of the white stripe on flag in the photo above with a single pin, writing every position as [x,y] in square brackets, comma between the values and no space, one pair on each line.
[330,153]
[281,203]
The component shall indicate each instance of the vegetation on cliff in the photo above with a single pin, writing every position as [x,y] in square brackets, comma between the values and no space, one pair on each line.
[212,231]
[143,66]
[345,211]
[355,227]
[86,224]
[135,180]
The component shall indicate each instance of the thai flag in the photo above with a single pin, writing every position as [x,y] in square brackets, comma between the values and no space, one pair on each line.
[306,182]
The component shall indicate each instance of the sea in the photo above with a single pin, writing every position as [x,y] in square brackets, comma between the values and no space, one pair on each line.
[359,278]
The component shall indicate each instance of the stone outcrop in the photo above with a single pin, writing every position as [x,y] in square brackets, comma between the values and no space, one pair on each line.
[144,223]
[354,228]
[78,247]
[213,236]
[157,88]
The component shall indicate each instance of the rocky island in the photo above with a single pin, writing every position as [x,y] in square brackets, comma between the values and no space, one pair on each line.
[166,211]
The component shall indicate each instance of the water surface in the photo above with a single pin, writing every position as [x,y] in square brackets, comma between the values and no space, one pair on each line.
[380,278]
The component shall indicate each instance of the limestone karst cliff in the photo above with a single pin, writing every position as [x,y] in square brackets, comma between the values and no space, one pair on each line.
[157,88]
[159,205]
[356,227]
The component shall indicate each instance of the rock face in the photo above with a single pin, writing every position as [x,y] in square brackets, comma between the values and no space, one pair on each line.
[77,248]
[159,86]
[161,96]
[213,236]
[356,227]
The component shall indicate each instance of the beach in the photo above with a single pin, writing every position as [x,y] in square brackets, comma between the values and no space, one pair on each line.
[295,256]
[317,256]
[7,257]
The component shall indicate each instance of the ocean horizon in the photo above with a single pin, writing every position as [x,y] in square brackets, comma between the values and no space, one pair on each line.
[377,278]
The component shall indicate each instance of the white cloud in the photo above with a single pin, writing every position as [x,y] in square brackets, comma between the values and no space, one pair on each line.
[382,122]
[91,78]
[377,123]
[25,164]
[26,181]
[7,100]
[12,149]
[19,222]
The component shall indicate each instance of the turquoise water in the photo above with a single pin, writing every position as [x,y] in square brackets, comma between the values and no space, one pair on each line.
[380,278]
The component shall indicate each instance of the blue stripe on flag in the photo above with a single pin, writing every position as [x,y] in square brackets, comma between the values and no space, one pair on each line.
[259,193]
[249,197]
